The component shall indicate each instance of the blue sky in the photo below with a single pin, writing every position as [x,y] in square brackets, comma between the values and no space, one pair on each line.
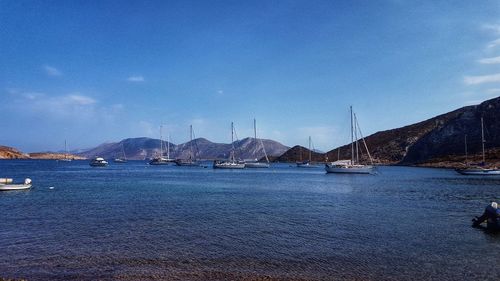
[99,71]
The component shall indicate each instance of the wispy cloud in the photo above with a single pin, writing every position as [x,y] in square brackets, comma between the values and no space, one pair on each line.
[51,71]
[492,27]
[474,80]
[493,60]
[494,43]
[136,78]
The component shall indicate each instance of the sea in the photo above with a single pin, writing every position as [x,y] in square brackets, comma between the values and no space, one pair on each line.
[134,221]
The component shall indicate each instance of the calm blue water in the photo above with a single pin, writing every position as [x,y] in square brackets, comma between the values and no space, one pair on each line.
[138,222]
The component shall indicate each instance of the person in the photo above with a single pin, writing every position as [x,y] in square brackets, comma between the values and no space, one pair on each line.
[491,215]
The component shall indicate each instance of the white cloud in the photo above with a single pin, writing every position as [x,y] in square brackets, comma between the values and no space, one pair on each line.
[494,43]
[76,99]
[137,78]
[492,27]
[493,60]
[474,80]
[51,71]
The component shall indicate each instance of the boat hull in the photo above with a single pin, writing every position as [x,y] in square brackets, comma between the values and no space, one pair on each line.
[257,165]
[347,169]
[6,187]
[229,165]
[479,172]
[187,163]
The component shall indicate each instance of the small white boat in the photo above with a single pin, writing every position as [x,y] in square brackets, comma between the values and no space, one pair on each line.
[478,171]
[228,165]
[6,184]
[98,162]
[123,157]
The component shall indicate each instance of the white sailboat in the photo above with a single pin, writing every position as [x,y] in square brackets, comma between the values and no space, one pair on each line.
[307,163]
[352,166]
[160,160]
[478,170]
[191,160]
[123,157]
[231,163]
[254,163]
[66,158]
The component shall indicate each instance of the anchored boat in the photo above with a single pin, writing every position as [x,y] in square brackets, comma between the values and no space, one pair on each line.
[231,163]
[254,163]
[7,184]
[352,166]
[98,162]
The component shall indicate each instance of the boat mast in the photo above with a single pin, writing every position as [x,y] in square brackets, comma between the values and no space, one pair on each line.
[232,142]
[466,160]
[161,141]
[310,152]
[482,139]
[255,136]
[191,142]
[356,137]
[168,146]
[352,139]
[65,150]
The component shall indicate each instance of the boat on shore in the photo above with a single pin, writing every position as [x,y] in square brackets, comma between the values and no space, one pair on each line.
[7,184]
[481,169]
[98,162]
[352,166]
[231,163]
[254,163]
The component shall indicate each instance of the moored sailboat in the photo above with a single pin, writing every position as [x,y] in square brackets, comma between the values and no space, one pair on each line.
[160,160]
[66,158]
[307,163]
[231,163]
[122,158]
[352,166]
[254,163]
[191,160]
[478,170]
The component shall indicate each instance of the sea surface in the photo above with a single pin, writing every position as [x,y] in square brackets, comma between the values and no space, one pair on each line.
[138,222]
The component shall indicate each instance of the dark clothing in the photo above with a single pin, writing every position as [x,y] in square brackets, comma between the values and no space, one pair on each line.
[491,216]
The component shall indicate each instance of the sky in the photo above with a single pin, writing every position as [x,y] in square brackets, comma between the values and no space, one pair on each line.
[91,72]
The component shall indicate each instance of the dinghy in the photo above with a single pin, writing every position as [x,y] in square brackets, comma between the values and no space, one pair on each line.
[6,184]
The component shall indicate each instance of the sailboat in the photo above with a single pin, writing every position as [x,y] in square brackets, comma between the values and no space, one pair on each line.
[66,158]
[123,157]
[231,163]
[478,170]
[352,166]
[191,160]
[306,164]
[160,160]
[254,163]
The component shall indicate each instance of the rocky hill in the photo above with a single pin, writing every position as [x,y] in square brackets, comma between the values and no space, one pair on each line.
[299,153]
[145,148]
[11,153]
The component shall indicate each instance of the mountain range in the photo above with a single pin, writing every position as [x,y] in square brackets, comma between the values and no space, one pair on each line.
[145,148]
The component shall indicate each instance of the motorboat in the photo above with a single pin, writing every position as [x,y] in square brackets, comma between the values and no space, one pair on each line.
[98,162]
[7,184]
